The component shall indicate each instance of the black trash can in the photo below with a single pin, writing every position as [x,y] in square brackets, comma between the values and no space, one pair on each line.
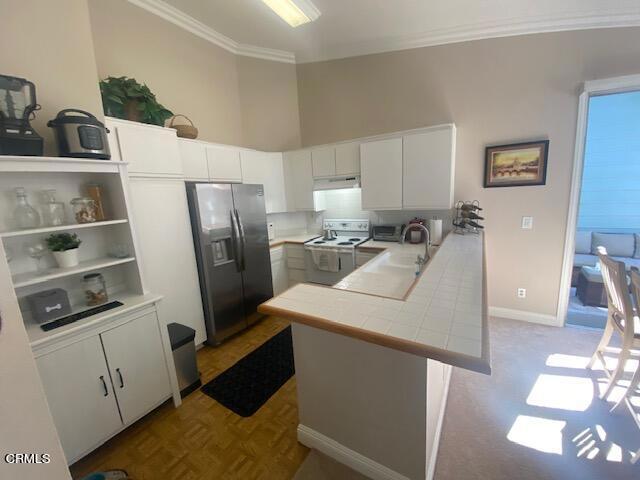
[184,357]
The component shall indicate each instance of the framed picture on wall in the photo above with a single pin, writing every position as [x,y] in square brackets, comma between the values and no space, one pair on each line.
[516,165]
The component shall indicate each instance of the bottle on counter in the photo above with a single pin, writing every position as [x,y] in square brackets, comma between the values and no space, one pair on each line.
[470,207]
[24,215]
[470,214]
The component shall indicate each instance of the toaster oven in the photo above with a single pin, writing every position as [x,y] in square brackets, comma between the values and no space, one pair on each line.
[387,233]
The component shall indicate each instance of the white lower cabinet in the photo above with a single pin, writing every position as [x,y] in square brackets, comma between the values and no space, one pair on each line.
[136,363]
[279,276]
[104,382]
[80,396]
[296,270]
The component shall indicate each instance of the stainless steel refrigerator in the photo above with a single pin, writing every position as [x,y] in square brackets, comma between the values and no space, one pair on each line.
[229,225]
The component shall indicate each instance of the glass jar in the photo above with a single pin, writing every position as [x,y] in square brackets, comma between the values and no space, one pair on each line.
[24,215]
[94,191]
[95,289]
[84,209]
[53,212]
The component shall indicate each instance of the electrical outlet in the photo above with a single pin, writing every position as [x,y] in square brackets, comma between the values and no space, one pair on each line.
[522,293]
[527,223]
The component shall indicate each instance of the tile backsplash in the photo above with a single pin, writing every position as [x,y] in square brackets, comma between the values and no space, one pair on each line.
[346,203]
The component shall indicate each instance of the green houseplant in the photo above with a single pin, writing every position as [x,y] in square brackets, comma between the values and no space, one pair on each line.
[124,97]
[65,248]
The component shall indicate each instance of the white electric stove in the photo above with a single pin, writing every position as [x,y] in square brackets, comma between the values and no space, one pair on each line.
[329,260]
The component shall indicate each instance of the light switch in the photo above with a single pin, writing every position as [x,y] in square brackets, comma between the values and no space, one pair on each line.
[527,223]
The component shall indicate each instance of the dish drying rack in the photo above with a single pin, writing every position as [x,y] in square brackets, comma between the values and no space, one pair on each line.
[468,218]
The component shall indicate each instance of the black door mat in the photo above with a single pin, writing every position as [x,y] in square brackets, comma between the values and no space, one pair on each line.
[248,384]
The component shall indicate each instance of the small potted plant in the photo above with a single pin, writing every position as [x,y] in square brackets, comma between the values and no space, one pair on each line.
[65,248]
[124,97]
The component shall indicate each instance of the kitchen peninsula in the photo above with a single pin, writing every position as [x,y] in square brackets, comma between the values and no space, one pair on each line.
[373,362]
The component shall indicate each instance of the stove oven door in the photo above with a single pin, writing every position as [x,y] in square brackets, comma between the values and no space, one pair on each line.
[346,265]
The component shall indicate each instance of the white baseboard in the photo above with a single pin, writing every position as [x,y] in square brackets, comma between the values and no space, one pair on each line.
[346,456]
[431,468]
[524,316]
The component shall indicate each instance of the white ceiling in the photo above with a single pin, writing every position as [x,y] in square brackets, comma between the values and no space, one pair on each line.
[356,27]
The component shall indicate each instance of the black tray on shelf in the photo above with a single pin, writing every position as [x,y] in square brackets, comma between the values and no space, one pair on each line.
[74,317]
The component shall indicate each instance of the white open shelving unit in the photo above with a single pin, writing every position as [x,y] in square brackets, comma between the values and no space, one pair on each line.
[69,177]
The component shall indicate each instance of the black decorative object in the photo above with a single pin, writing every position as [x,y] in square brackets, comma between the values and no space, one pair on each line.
[468,217]
[17,107]
[248,384]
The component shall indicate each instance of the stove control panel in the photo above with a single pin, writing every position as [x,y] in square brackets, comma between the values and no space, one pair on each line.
[342,225]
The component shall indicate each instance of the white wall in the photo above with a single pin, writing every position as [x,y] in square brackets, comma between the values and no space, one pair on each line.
[496,91]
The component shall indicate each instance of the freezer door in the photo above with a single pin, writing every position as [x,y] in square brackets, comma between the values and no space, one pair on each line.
[218,254]
[254,247]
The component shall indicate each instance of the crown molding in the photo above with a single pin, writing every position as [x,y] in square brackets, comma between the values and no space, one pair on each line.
[187,22]
[442,36]
[480,31]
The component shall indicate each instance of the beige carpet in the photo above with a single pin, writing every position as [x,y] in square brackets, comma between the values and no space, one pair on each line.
[537,417]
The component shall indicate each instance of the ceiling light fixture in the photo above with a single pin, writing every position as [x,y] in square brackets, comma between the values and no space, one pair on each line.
[294,12]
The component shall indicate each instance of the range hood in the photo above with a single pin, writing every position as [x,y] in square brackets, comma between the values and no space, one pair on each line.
[335,183]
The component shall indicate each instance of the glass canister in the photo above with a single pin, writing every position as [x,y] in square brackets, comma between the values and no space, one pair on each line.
[94,191]
[53,212]
[24,214]
[84,209]
[95,289]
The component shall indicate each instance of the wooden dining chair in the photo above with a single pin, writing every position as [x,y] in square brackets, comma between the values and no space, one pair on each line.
[621,317]
[635,293]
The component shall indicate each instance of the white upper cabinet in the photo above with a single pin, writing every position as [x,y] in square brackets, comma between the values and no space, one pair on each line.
[298,174]
[342,159]
[149,150]
[323,161]
[266,168]
[428,169]
[224,164]
[348,158]
[194,160]
[381,170]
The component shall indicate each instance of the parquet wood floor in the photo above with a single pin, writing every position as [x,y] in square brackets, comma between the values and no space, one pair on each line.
[202,439]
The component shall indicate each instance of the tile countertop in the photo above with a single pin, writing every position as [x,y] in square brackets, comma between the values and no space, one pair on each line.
[443,316]
[297,238]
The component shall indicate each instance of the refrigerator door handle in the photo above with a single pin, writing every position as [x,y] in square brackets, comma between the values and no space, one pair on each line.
[235,241]
[243,240]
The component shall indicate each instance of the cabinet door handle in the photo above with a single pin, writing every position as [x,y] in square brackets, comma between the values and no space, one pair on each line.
[104,385]
[120,377]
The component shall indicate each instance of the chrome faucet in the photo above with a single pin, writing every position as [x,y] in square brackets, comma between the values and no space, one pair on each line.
[421,260]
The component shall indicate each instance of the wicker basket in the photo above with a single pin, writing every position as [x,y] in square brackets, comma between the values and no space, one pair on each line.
[184,131]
